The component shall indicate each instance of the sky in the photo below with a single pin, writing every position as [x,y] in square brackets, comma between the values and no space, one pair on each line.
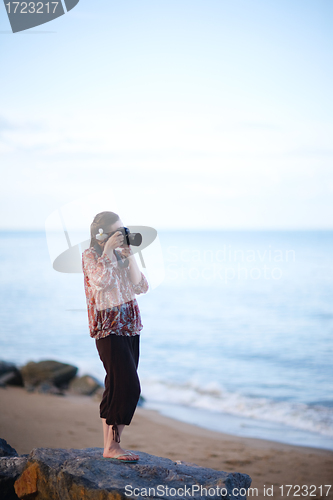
[178,114]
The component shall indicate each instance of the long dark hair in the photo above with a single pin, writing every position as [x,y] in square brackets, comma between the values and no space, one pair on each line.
[101,221]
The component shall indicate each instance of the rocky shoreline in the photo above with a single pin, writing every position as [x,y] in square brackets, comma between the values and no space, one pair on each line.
[32,420]
[49,377]
[77,474]
[60,474]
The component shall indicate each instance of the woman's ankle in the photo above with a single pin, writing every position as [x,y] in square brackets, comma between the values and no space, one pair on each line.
[113,447]
[111,452]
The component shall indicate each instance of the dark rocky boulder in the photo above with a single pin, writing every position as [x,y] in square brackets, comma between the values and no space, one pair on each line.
[53,372]
[6,366]
[6,450]
[59,474]
[48,388]
[9,374]
[11,468]
[86,385]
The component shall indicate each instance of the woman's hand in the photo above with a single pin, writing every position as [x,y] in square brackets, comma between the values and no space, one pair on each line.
[126,252]
[115,241]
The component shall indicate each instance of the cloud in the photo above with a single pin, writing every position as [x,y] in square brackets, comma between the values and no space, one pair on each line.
[20,134]
[5,124]
[261,126]
[311,152]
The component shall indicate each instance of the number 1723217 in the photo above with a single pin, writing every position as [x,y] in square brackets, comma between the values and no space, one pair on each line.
[31,7]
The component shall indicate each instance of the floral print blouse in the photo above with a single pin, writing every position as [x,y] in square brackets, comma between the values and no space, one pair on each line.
[110,294]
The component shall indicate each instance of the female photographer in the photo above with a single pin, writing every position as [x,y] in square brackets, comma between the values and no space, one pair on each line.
[111,280]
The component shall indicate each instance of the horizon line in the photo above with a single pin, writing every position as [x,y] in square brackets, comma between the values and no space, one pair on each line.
[178,229]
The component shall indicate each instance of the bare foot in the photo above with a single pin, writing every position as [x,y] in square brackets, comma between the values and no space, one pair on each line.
[113,452]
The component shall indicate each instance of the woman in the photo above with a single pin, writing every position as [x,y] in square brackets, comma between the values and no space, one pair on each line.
[111,280]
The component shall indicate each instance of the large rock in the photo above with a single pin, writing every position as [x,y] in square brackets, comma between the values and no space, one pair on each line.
[9,374]
[6,450]
[86,385]
[10,469]
[6,366]
[53,372]
[59,474]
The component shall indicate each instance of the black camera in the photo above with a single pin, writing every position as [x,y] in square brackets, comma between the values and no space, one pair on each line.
[134,239]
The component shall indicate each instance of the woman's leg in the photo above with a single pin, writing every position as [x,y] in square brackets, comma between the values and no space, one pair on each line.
[111,447]
[120,356]
[108,433]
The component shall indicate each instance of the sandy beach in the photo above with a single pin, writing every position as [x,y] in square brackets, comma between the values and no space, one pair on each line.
[29,420]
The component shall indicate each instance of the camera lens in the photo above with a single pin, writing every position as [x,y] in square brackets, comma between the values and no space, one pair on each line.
[135,239]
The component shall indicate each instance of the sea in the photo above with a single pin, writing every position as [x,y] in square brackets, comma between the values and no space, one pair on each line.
[238,326]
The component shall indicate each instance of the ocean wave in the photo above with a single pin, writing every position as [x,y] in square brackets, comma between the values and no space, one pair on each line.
[312,418]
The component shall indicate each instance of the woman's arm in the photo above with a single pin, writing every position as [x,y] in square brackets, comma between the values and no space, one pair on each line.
[134,270]
[140,284]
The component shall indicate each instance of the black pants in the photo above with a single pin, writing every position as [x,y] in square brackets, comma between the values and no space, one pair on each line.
[120,357]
